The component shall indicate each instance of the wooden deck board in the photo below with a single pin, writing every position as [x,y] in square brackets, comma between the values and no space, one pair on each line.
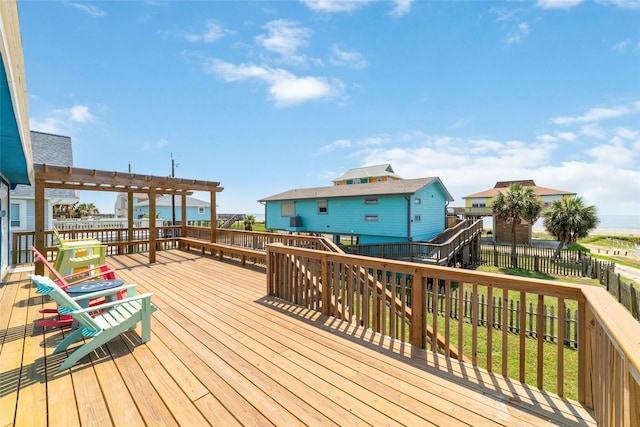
[222,353]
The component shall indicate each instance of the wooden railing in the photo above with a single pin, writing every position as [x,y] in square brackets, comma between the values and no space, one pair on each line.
[117,240]
[602,373]
[167,237]
[256,240]
[441,252]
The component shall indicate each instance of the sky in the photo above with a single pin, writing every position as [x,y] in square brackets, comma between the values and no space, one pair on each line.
[269,96]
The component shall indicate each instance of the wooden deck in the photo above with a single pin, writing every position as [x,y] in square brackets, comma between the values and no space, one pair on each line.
[223,354]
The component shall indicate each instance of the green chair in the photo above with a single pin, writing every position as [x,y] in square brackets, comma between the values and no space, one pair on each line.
[101,322]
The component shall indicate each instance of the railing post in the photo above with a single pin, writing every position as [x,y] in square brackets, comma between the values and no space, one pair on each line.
[418,306]
[325,284]
[585,349]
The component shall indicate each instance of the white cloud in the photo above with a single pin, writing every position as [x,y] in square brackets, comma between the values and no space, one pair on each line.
[598,113]
[626,133]
[152,146]
[349,58]
[47,125]
[335,6]
[546,138]
[567,136]
[615,155]
[605,174]
[624,4]
[594,131]
[90,9]
[80,114]
[62,121]
[558,4]
[401,7]
[213,32]
[284,37]
[521,32]
[285,88]
[622,45]
[339,143]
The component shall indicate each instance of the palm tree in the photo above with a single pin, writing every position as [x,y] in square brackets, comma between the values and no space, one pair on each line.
[569,220]
[249,221]
[519,205]
[86,209]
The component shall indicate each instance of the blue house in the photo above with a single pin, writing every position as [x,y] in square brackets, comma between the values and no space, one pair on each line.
[16,165]
[399,210]
[197,210]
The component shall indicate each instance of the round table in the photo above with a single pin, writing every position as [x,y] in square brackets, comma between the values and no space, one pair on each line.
[99,285]
[86,288]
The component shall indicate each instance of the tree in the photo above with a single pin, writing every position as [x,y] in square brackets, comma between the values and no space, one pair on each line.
[569,220]
[86,209]
[519,205]
[248,222]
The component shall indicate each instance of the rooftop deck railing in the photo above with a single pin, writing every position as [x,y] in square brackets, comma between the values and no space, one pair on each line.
[391,297]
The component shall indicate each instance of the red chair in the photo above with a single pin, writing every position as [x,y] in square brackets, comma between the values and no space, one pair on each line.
[98,273]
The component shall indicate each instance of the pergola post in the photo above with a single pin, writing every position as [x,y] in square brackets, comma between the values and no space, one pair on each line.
[152,225]
[130,220]
[214,217]
[39,223]
[183,215]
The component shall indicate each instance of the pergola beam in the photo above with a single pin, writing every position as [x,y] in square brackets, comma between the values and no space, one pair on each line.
[71,178]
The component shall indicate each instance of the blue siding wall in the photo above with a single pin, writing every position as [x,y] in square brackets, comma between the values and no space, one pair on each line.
[346,216]
[432,212]
[396,216]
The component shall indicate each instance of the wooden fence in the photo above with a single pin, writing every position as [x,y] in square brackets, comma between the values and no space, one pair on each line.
[625,293]
[551,318]
[569,263]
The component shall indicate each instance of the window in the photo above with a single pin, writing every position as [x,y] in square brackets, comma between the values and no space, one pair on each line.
[370,201]
[200,211]
[323,207]
[417,218]
[357,181]
[417,201]
[288,209]
[18,215]
[479,205]
[371,217]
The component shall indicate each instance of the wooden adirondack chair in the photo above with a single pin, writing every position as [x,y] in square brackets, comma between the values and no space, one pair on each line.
[111,320]
[100,272]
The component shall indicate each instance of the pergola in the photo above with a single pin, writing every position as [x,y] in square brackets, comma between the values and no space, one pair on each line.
[68,177]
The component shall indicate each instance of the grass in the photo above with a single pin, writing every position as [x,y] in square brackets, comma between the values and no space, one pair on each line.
[549,355]
[549,349]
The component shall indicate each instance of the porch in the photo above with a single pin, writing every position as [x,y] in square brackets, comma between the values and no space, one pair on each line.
[223,353]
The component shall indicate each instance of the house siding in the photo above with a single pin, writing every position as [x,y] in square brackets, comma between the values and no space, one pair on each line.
[390,218]
[432,211]
[346,216]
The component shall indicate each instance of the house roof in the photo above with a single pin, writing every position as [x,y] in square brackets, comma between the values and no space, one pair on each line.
[55,150]
[399,187]
[502,185]
[166,201]
[368,172]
